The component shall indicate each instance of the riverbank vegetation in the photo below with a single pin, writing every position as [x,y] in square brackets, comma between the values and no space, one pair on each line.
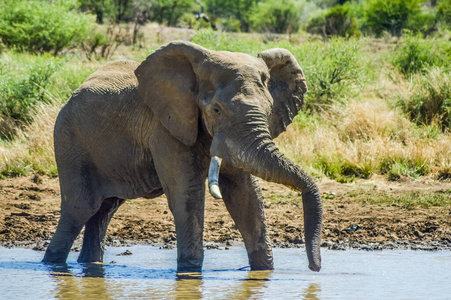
[379,99]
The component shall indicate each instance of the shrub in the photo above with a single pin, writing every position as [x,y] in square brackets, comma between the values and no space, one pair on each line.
[169,11]
[444,12]
[103,45]
[332,71]
[390,15]
[27,81]
[231,24]
[276,16]
[232,14]
[424,22]
[317,25]
[41,26]
[19,94]
[417,54]
[340,20]
[430,98]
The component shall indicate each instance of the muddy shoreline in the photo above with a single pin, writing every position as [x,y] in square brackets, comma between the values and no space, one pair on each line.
[29,212]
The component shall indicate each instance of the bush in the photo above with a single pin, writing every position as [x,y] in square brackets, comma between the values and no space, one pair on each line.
[424,22]
[27,81]
[444,13]
[332,70]
[430,98]
[390,15]
[341,21]
[231,24]
[276,16]
[317,25]
[40,26]
[169,11]
[19,94]
[338,21]
[417,54]
[232,14]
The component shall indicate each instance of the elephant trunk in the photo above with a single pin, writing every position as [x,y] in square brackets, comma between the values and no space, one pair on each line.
[263,159]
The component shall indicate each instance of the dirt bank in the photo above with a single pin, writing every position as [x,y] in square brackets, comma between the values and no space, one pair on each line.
[29,212]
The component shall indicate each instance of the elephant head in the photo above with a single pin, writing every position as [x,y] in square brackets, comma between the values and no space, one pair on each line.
[243,102]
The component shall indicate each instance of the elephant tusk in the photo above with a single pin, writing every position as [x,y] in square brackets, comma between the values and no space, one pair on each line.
[213,176]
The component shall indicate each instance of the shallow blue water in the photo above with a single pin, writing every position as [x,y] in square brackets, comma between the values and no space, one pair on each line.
[150,273]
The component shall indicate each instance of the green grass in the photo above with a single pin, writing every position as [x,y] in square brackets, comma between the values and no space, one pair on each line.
[417,55]
[284,198]
[407,200]
[28,80]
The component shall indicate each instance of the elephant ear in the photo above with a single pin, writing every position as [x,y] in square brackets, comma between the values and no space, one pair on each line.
[287,87]
[167,84]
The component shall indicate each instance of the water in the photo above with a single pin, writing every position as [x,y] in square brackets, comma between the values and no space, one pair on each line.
[150,273]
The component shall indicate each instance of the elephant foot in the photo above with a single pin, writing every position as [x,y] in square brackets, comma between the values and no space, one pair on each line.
[189,265]
[261,260]
[87,256]
[51,257]
[189,269]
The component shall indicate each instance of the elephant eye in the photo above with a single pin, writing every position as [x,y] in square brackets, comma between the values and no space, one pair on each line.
[216,110]
[264,78]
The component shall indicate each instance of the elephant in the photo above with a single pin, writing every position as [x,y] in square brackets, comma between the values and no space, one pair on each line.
[162,127]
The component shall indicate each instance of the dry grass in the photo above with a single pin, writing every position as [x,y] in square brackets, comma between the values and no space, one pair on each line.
[370,136]
[32,148]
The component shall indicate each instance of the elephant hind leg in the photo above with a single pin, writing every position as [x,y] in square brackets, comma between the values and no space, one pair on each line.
[95,231]
[75,212]
[66,232]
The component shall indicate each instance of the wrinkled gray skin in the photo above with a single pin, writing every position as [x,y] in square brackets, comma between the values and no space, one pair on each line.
[122,136]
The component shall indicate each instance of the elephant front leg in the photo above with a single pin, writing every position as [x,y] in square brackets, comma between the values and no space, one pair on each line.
[243,198]
[187,207]
[182,171]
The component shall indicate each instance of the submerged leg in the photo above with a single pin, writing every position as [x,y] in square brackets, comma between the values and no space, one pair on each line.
[183,180]
[72,220]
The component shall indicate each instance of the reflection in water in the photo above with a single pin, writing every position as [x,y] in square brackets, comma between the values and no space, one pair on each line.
[188,286]
[89,283]
[197,286]
[312,291]
[252,285]
[92,280]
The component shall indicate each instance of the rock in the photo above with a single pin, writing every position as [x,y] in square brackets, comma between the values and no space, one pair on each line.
[125,253]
